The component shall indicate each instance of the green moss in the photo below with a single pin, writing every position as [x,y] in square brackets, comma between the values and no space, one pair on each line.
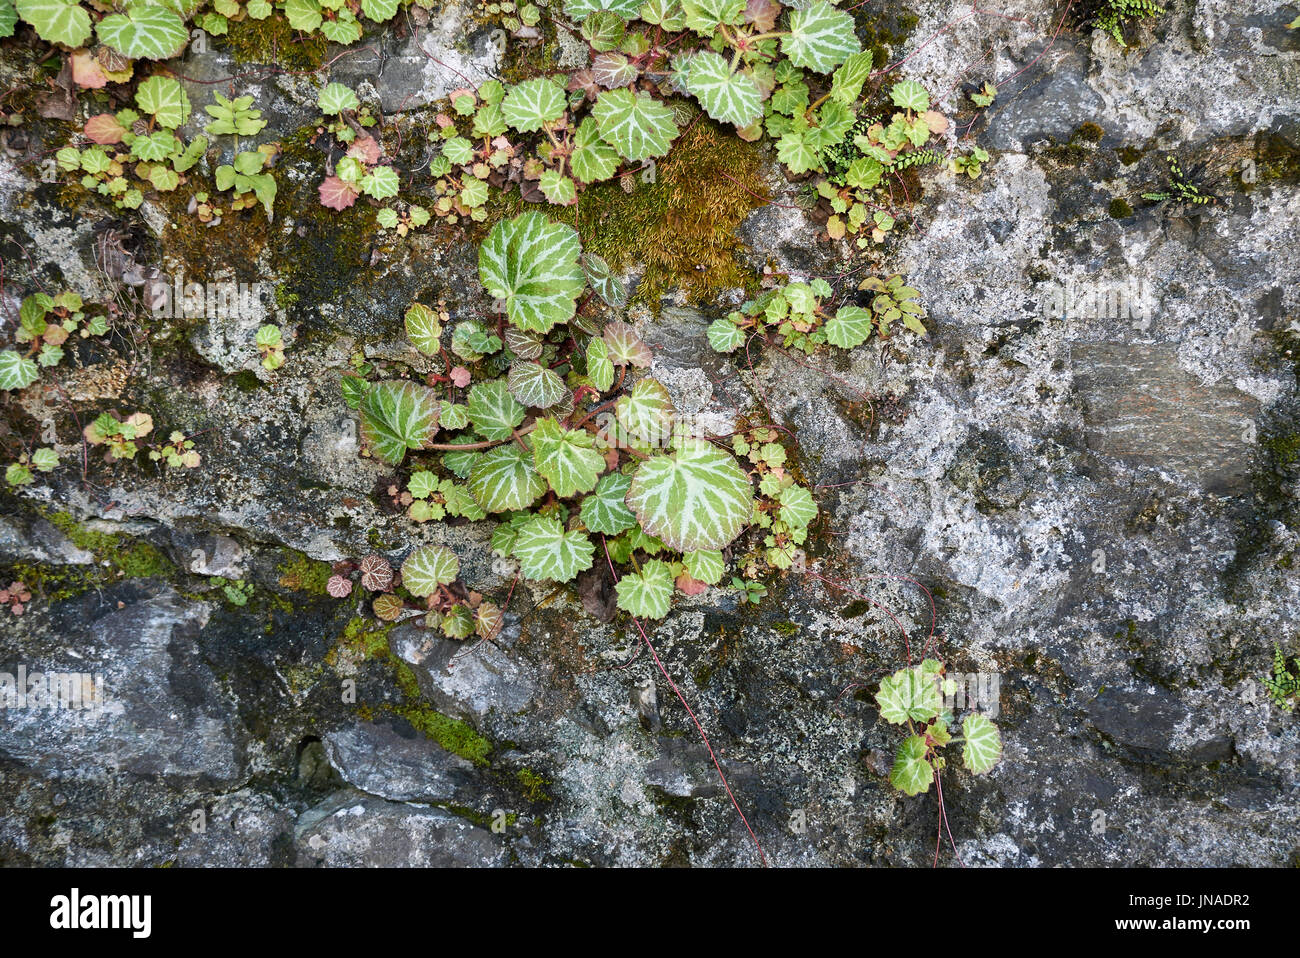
[1119,208]
[1088,133]
[682,227]
[247,381]
[55,583]
[1283,449]
[856,608]
[273,41]
[1129,155]
[303,574]
[452,734]
[367,637]
[785,628]
[534,785]
[132,558]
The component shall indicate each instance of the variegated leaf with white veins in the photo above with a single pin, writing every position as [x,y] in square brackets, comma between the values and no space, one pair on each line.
[695,498]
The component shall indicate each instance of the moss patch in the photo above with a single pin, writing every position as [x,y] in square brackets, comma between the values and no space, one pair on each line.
[132,558]
[682,226]
[368,639]
[452,734]
[272,40]
[302,574]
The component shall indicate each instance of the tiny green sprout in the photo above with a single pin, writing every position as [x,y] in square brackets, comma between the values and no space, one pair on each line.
[971,164]
[1113,16]
[237,591]
[234,117]
[20,472]
[914,697]
[798,315]
[751,592]
[245,177]
[178,452]
[985,96]
[1181,189]
[270,344]
[119,436]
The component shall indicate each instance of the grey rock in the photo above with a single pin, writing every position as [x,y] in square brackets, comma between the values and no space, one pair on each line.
[353,830]
[404,768]
[469,685]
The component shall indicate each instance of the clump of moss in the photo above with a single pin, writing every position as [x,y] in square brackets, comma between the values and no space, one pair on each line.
[1088,133]
[1283,450]
[452,734]
[273,41]
[302,574]
[856,608]
[131,558]
[682,227]
[327,257]
[1120,209]
[534,785]
[1129,155]
[366,637]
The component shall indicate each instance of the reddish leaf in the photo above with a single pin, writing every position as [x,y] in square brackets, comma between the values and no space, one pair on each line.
[376,573]
[460,376]
[762,14]
[365,149]
[339,586]
[335,194]
[86,71]
[103,128]
[691,586]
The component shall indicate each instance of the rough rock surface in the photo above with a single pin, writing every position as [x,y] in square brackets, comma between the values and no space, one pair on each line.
[1101,495]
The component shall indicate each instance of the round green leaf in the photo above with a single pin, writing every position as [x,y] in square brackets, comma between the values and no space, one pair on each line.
[849,327]
[821,37]
[505,479]
[429,567]
[494,412]
[423,329]
[147,31]
[16,370]
[56,21]
[982,746]
[727,95]
[532,264]
[534,385]
[165,100]
[705,565]
[725,336]
[545,551]
[335,98]
[566,457]
[647,594]
[912,772]
[605,510]
[397,416]
[909,694]
[532,104]
[637,125]
[696,498]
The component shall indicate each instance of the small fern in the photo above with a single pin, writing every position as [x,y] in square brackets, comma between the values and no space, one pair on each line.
[1114,15]
[916,158]
[1283,686]
[1181,189]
